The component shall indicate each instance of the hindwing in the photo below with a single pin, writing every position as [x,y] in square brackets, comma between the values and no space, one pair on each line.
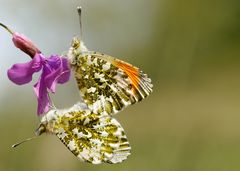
[92,137]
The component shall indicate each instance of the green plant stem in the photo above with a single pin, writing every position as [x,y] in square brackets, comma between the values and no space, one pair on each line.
[4,26]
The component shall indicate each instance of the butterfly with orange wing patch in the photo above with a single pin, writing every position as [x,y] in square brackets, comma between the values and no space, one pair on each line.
[106,84]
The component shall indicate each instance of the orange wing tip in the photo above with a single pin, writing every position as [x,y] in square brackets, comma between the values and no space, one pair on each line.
[141,83]
[131,71]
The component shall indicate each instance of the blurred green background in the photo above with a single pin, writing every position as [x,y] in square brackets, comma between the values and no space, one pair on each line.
[189,48]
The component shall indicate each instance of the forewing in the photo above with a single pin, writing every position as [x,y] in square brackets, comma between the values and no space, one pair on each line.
[106,84]
[92,137]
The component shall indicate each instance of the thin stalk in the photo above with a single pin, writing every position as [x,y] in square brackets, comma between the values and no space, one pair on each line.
[4,26]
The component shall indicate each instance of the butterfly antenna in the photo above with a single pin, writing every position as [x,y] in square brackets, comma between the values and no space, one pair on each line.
[79,10]
[19,143]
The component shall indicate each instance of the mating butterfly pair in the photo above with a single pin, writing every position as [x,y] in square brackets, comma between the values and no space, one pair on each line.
[107,85]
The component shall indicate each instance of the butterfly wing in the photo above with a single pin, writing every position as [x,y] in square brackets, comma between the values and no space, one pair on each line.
[92,137]
[107,84]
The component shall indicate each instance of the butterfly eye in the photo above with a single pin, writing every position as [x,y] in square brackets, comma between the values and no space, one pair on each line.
[75,43]
[41,129]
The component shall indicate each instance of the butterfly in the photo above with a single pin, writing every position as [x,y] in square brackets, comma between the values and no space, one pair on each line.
[106,84]
[91,137]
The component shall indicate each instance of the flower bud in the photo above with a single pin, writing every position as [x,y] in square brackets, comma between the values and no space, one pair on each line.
[25,44]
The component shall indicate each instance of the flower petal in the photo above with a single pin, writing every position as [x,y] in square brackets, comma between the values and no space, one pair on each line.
[54,62]
[40,90]
[60,72]
[22,73]
[66,72]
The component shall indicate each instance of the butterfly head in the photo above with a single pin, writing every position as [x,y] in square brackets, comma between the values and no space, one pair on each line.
[75,43]
[78,45]
[77,48]
[47,122]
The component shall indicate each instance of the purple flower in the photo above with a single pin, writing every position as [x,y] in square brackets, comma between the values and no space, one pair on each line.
[55,70]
